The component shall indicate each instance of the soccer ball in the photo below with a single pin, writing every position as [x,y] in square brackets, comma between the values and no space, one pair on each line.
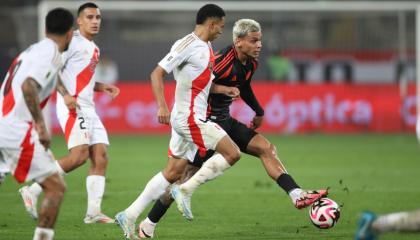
[324,213]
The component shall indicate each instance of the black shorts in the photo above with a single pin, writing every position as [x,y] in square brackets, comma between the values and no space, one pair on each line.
[237,131]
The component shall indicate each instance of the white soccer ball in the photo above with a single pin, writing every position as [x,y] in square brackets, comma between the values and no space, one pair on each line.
[324,213]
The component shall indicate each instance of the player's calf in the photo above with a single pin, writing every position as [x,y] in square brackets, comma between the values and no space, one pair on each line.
[54,189]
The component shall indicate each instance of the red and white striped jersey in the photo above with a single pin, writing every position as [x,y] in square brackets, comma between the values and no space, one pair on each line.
[41,62]
[191,61]
[80,61]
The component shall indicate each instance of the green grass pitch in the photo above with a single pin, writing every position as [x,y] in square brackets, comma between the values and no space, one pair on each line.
[375,172]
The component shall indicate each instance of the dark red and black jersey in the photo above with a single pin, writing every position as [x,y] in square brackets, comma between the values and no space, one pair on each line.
[229,71]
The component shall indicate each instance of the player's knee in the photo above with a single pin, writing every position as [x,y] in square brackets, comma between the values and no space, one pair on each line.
[268,150]
[233,156]
[60,190]
[55,187]
[102,158]
[172,174]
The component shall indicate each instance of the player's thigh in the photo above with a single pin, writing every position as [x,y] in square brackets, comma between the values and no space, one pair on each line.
[54,184]
[98,134]
[212,134]
[241,134]
[199,160]
[174,168]
[75,128]
[260,145]
[30,162]
[205,135]
[179,146]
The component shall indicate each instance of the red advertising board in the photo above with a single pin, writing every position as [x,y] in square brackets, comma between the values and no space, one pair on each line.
[294,108]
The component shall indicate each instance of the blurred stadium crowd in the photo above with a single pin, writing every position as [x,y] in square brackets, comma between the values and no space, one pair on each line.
[298,46]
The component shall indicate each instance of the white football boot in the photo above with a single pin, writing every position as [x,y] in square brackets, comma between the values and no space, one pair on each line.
[29,201]
[126,224]
[98,218]
[146,230]
[183,201]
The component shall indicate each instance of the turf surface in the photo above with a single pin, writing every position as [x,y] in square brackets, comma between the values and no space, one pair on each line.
[375,172]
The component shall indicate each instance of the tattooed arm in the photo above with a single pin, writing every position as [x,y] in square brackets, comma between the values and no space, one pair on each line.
[30,93]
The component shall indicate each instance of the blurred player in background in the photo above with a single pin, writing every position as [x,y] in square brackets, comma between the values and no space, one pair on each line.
[235,65]
[372,225]
[24,139]
[84,132]
[191,59]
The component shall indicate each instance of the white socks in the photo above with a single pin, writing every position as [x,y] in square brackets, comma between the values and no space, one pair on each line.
[43,234]
[148,221]
[95,186]
[398,222]
[153,190]
[211,169]
[35,189]
[295,194]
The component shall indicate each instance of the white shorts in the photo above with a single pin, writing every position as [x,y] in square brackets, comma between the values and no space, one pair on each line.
[30,161]
[201,136]
[4,168]
[82,129]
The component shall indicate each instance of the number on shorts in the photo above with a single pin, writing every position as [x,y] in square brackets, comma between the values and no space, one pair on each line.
[82,122]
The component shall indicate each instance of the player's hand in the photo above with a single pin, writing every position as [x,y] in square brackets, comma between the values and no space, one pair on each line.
[111,90]
[163,115]
[71,102]
[43,135]
[256,122]
[232,92]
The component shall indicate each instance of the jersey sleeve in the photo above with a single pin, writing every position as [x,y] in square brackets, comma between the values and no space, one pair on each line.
[174,58]
[223,65]
[247,94]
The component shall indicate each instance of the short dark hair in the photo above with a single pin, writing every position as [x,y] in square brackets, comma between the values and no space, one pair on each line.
[59,21]
[209,11]
[86,5]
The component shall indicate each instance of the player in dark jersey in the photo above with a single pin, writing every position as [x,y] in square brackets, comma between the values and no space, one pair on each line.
[234,68]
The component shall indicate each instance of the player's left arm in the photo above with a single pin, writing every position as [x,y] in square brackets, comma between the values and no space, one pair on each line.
[247,94]
[109,89]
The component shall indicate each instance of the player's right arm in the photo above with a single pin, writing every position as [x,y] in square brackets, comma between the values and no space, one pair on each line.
[69,100]
[156,77]
[173,59]
[232,92]
[30,93]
